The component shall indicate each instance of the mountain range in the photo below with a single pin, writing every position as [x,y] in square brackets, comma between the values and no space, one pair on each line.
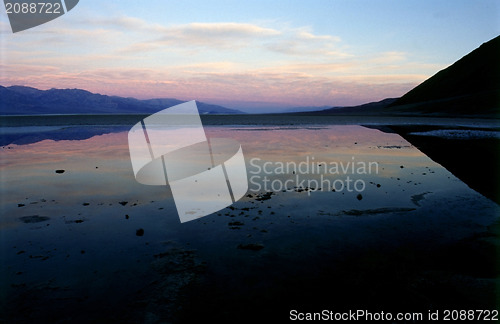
[19,100]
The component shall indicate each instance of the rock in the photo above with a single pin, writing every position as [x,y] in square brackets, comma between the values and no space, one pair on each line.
[76,221]
[357,212]
[251,246]
[123,203]
[264,196]
[33,219]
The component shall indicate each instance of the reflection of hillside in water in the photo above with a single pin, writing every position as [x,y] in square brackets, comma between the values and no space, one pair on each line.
[470,154]
[34,134]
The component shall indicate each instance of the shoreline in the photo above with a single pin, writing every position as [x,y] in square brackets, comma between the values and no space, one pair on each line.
[247,120]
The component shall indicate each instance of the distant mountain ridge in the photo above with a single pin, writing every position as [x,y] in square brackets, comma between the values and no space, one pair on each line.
[20,100]
[371,108]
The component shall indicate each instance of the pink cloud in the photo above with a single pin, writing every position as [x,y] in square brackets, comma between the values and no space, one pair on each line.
[278,88]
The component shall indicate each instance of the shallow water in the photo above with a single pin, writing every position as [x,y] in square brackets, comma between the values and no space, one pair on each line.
[383,167]
[72,238]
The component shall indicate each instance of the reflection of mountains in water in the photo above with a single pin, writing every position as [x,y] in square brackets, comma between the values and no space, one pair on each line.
[34,134]
[471,154]
[31,129]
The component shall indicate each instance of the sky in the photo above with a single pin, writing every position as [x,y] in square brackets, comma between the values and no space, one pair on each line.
[257,56]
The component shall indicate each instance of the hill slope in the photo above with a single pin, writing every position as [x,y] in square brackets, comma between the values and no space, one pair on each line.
[471,86]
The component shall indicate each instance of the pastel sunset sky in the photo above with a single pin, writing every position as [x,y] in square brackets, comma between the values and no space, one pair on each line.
[251,55]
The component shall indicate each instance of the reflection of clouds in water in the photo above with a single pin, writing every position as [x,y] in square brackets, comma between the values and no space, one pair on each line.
[29,170]
[23,135]
[94,167]
[334,143]
[340,144]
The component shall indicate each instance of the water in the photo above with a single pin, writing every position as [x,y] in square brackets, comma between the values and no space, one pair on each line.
[71,249]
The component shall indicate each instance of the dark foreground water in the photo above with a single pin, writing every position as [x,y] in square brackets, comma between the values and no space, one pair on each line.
[337,217]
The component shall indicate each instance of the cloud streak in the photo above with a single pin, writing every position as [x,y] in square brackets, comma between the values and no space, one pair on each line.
[231,36]
[215,62]
[275,87]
